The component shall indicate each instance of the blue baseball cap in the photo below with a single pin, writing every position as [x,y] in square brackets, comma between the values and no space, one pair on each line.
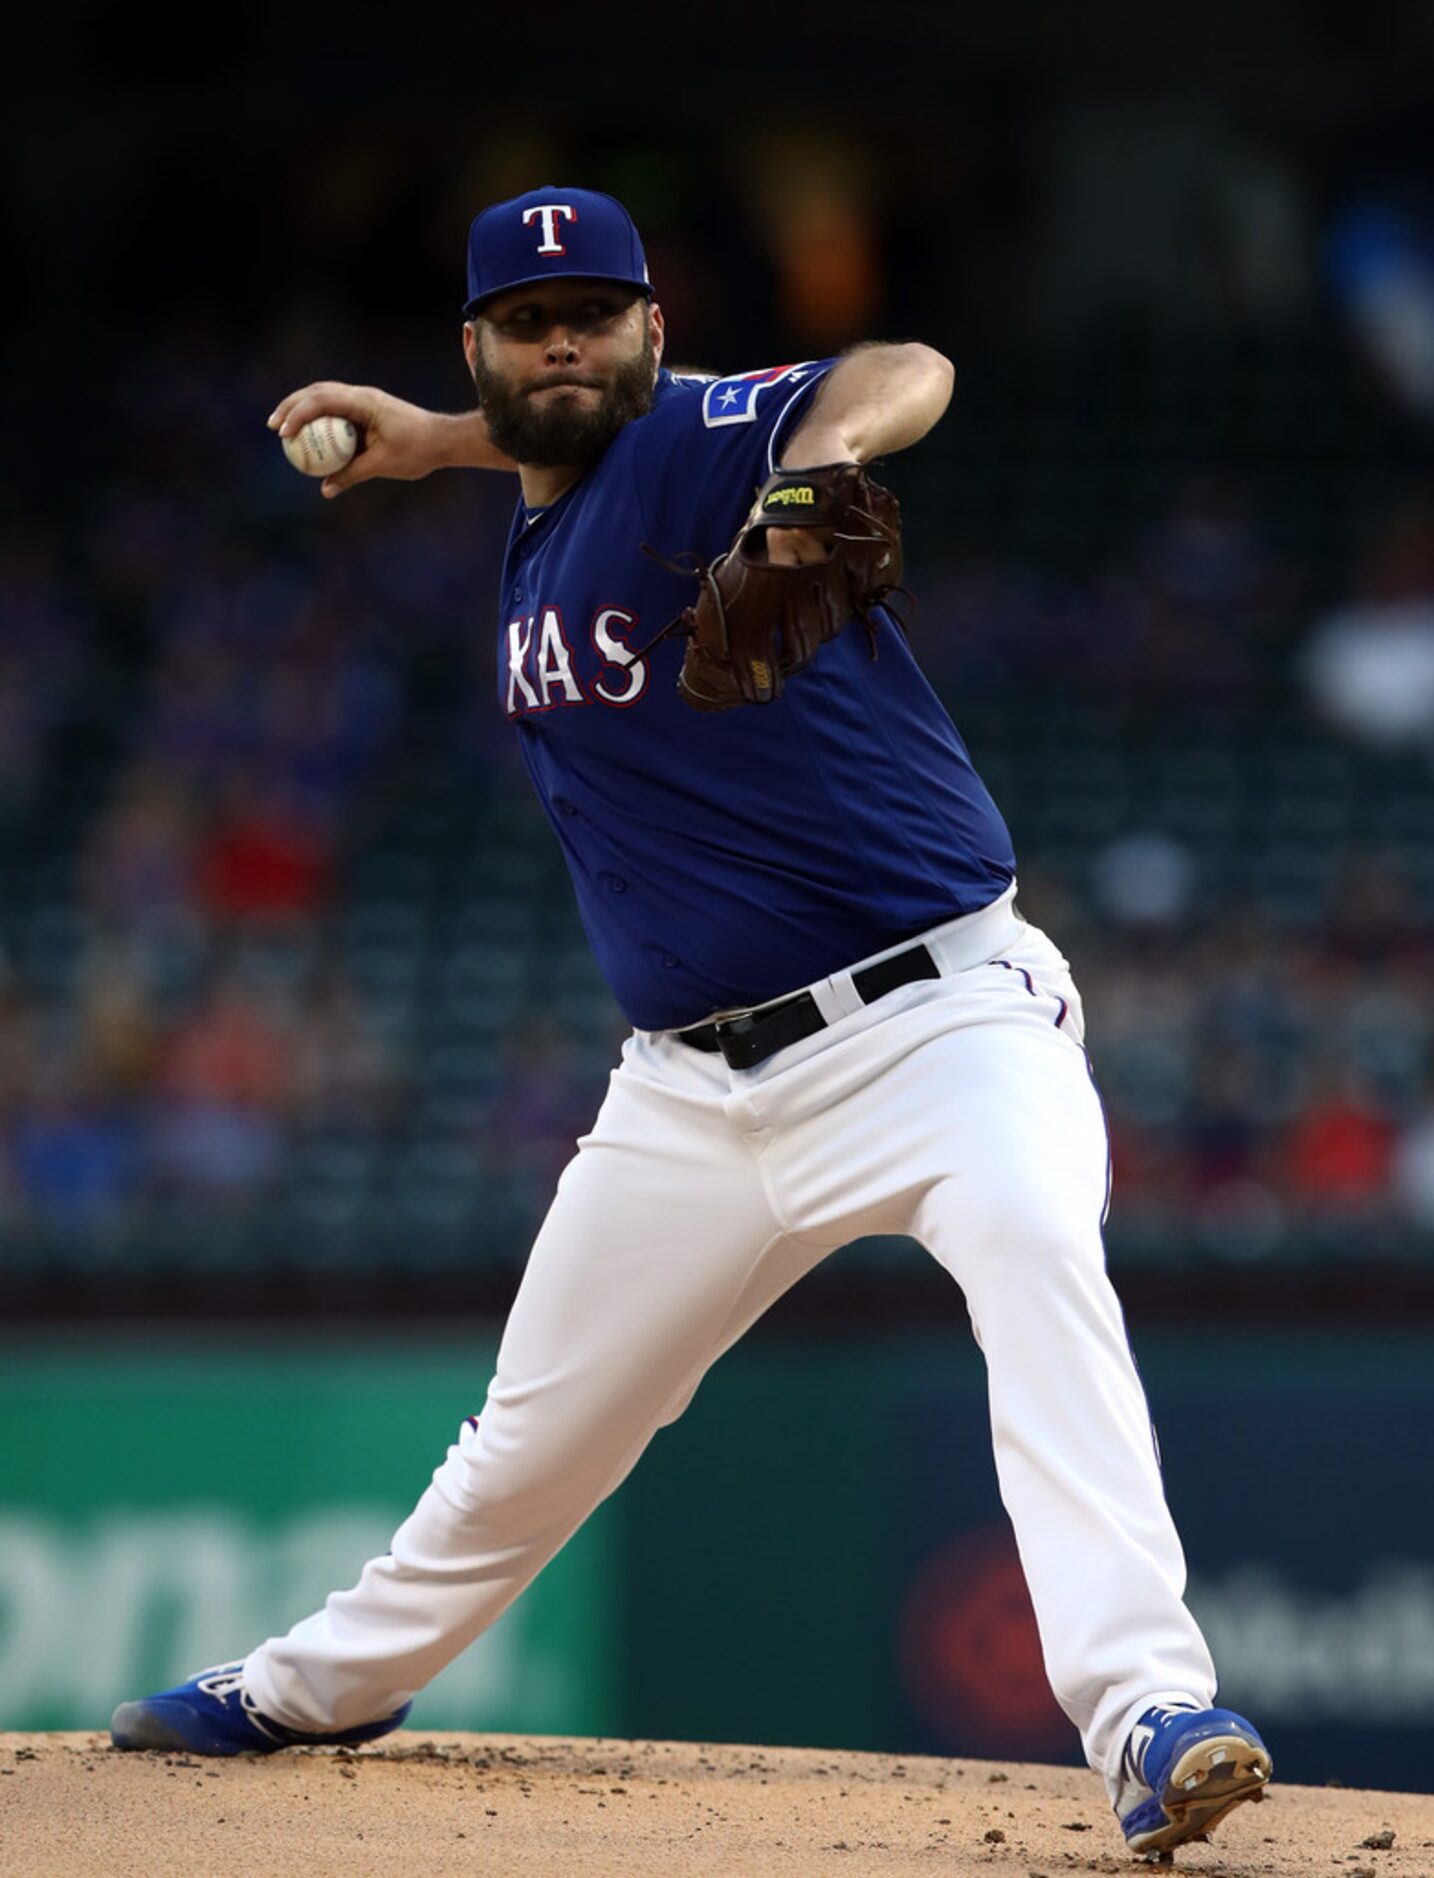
[552,234]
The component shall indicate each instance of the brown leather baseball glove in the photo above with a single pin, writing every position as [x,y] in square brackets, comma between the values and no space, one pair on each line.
[754,622]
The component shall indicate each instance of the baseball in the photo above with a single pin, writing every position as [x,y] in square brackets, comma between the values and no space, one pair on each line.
[324,445]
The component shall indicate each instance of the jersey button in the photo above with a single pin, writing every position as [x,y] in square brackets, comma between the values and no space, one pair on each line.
[614,883]
[563,806]
[671,961]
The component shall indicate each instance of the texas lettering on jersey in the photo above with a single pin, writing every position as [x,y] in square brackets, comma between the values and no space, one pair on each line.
[554,659]
[543,663]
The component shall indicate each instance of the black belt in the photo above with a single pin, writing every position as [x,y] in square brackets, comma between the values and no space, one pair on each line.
[752,1036]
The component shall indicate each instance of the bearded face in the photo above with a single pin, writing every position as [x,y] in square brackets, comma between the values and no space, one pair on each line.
[550,421]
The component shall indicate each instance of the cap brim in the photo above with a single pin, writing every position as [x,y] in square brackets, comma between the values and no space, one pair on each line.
[470,307]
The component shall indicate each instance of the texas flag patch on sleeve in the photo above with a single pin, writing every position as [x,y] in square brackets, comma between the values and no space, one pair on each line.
[735,400]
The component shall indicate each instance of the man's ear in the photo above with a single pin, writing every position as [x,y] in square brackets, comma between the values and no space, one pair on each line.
[470,342]
[656,327]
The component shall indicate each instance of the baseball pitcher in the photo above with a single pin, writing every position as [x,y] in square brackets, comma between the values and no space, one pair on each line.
[803,899]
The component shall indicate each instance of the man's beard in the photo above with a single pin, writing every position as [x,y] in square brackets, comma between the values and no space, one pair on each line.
[562,434]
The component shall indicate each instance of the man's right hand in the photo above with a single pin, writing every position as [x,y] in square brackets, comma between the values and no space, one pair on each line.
[397,440]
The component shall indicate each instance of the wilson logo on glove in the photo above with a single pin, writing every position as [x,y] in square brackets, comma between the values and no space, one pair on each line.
[756,622]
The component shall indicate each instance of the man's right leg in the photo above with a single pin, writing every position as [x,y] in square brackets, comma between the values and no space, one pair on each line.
[659,1249]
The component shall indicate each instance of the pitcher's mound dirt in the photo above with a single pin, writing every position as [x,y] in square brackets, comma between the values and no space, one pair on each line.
[429,1805]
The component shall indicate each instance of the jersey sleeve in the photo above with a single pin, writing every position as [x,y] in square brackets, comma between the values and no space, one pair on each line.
[710,446]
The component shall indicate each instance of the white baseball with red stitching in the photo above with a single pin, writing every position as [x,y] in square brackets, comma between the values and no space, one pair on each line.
[322,447]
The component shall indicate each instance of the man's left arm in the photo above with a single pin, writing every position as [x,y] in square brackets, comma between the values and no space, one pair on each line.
[876,399]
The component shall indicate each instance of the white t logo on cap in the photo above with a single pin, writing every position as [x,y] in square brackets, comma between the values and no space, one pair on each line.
[549,213]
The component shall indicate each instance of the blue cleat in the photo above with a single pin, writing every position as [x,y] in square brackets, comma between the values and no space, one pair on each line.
[213,1714]
[1184,1770]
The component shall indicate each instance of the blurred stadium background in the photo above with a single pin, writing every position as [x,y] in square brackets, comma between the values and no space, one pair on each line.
[297,1021]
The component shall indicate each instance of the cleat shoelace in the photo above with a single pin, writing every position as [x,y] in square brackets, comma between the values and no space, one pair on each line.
[222,1681]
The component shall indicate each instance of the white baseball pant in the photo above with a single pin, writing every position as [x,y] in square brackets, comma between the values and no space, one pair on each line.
[959,1110]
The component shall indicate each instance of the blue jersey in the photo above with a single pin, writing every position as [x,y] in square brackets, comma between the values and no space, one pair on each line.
[726,858]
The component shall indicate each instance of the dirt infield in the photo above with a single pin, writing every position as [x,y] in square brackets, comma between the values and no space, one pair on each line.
[430,1805]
